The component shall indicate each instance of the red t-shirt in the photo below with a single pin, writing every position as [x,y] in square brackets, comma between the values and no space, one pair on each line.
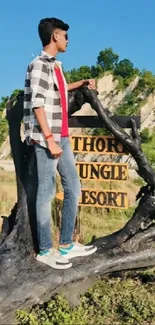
[64,130]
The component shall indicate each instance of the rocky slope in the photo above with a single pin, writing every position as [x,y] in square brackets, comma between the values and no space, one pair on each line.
[111,97]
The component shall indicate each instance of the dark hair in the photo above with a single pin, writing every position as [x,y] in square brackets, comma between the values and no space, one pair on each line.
[47,26]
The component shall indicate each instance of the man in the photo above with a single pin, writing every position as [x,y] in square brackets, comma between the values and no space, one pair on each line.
[46,127]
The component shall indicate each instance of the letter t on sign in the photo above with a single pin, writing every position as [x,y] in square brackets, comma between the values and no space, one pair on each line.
[75,143]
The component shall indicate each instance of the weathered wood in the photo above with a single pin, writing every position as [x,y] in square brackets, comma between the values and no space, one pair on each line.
[96,122]
[23,281]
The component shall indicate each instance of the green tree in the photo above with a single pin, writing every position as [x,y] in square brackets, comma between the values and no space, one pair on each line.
[3,103]
[147,80]
[124,68]
[107,59]
[15,93]
[96,70]
[84,72]
[3,120]
[3,130]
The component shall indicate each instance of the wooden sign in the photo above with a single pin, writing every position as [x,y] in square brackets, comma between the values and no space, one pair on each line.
[100,198]
[105,171]
[100,171]
[97,144]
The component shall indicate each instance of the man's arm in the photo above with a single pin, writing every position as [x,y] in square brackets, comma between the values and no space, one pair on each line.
[38,86]
[39,83]
[78,84]
[42,120]
[54,149]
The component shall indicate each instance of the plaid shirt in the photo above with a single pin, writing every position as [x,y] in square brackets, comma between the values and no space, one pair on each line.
[41,90]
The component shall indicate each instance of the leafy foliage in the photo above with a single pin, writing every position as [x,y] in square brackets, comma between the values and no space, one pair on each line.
[84,72]
[3,120]
[148,145]
[130,106]
[3,104]
[116,301]
[3,130]
[147,81]
[145,135]
[98,131]
[107,59]
[125,69]
[16,93]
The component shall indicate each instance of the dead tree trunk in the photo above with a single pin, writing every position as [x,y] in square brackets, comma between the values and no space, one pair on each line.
[23,281]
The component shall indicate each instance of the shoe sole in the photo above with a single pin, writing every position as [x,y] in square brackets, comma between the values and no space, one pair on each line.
[57,266]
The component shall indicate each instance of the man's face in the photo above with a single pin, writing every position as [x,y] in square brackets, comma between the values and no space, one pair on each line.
[61,38]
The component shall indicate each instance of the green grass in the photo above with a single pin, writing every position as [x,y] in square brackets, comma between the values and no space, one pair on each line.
[115,301]
[148,146]
[139,181]
[97,222]
[8,193]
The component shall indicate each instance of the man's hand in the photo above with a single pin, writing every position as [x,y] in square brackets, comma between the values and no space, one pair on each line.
[54,148]
[77,84]
[90,83]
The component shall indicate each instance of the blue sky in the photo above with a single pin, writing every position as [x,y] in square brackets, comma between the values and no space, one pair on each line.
[127,26]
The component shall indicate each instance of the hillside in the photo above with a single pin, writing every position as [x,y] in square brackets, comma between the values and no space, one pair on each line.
[120,101]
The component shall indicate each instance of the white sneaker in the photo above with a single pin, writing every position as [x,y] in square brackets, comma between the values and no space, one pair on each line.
[76,250]
[81,245]
[54,259]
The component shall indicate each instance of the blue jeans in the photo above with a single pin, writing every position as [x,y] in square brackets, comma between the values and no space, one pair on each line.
[46,171]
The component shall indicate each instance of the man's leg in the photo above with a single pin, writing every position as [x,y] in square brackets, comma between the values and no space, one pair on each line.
[72,189]
[46,171]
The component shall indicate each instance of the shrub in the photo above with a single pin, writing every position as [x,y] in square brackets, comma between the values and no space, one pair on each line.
[116,301]
[145,135]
